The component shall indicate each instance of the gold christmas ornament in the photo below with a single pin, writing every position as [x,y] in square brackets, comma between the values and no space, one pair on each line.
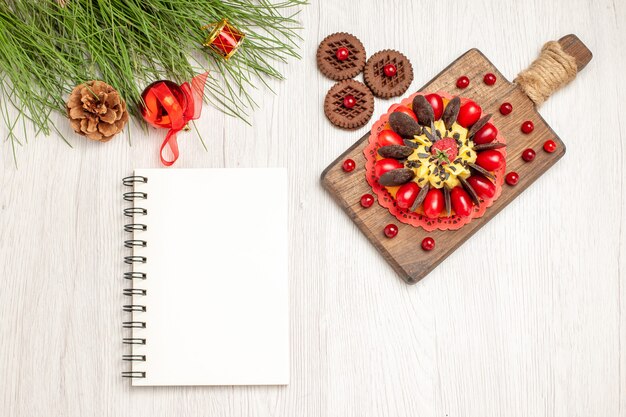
[224,39]
[96,110]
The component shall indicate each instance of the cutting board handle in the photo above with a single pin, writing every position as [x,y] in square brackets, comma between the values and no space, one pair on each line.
[557,65]
[573,46]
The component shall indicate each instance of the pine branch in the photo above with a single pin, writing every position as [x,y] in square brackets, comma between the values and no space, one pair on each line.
[47,47]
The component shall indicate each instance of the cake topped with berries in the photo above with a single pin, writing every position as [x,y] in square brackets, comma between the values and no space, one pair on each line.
[435,161]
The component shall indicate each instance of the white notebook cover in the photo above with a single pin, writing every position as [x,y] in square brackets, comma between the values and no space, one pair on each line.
[217,295]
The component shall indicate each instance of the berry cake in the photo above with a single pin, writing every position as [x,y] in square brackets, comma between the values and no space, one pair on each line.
[435,161]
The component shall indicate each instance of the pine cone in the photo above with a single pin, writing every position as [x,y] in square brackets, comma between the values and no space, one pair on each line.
[97,111]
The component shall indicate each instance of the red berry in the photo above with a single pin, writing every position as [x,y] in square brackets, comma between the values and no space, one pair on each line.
[428,243]
[445,149]
[342,53]
[390,70]
[512,178]
[348,165]
[528,126]
[349,101]
[367,200]
[391,230]
[489,79]
[506,108]
[462,82]
[528,155]
[549,146]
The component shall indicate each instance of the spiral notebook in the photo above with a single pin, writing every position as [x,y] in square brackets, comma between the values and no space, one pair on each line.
[208,304]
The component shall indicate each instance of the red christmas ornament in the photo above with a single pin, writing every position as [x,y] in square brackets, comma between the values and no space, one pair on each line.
[428,243]
[224,39]
[171,106]
[367,200]
[549,146]
[349,101]
[489,79]
[391,230]
[390,70]
[342,53]
[348,165]
[462,82]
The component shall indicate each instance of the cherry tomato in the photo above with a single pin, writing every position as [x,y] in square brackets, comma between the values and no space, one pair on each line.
[407,111]
[483,187]
[389,137]
[384,165]
[490,160]
[433,203]
[485,134]
[461,201]
[469,113]
[436,102]
[407,194]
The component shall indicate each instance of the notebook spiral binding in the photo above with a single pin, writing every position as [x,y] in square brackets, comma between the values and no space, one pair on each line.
[134,261]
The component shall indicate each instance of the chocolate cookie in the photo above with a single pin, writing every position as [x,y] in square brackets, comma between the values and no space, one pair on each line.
[383,85]
[357,113]
[350,64]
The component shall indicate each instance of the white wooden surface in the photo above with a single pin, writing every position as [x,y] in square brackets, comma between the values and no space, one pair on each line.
[527,318]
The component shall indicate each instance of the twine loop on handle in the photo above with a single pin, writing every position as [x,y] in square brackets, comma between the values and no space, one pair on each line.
[553,69]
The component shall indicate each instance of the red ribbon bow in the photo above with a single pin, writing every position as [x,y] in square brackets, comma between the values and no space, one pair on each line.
[180,104]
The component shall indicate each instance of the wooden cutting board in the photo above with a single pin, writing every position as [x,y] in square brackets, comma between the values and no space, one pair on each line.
[403,252]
